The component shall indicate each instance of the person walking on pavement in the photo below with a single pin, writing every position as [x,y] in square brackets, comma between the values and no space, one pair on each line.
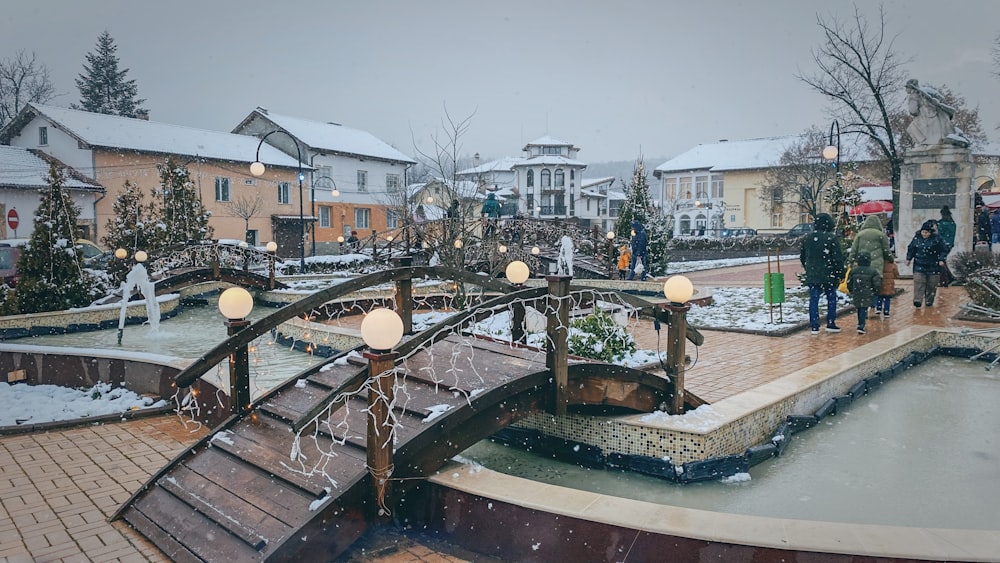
[984,229]
[871,240]
[864,283]
[639,243]
[823,262]
[888,290]
[624,261]
[928,252]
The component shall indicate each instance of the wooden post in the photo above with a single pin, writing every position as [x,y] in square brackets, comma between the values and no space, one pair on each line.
[270,258]
[676,335]
[404,294]
[556,356]
[517,332]
[379,441]
[239,371]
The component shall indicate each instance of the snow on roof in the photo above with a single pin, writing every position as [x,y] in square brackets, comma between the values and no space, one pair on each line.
[547,141]
[506,192]
[615,196]
[748,154]
[335,137]
[587,182]
[20,168]
[551,159]
[125,133]
[591,193]
[505,164]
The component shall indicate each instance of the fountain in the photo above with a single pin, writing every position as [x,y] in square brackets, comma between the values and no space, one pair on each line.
[138,278]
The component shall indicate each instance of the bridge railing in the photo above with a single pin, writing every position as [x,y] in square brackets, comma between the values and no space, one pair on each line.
[210,254]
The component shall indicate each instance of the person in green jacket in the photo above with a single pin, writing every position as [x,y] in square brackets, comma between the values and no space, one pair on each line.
[946,227]
[871,240]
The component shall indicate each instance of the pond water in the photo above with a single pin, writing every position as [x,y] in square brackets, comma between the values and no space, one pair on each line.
[923,450]
[189,334]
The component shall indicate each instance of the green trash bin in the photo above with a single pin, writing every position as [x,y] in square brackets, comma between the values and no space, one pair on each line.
[774,288]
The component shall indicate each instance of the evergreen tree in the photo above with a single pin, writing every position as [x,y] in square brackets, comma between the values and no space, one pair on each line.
[51,266]
[131,228]
[637,205]
[179,213]
[103,88]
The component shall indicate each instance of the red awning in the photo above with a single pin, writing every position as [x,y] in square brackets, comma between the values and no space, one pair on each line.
[872,208]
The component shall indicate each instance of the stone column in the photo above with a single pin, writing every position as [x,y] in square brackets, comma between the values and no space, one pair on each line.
[932,177]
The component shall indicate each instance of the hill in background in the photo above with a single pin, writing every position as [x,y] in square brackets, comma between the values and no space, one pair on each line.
[621,169]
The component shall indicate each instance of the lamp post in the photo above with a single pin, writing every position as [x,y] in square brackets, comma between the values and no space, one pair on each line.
[678,290]
[257,169]
[381,330]
[235,304]
[272,249]
[312,202]
[611,255]
[517,273]
[831,151]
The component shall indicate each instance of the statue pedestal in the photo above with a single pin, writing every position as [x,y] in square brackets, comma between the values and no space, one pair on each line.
[933,177]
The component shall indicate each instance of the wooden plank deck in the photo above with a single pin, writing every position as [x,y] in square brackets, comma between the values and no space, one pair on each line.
[254,491]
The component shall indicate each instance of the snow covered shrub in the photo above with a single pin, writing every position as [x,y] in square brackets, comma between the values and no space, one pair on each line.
[964,264]
[599,337]
[983,287]
[8,300]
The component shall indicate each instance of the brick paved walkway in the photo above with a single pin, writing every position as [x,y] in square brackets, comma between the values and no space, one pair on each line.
[58,488]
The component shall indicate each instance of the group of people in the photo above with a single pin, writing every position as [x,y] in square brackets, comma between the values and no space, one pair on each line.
[633,255]
[872,272]
[987,226]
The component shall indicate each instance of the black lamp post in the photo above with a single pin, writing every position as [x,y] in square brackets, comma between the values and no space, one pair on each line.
[257,169]
[312,202]
[832,151]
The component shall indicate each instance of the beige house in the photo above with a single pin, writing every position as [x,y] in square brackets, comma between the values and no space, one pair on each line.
[112,150]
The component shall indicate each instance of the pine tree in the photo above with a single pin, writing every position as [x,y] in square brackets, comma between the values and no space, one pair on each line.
[639,207]
[51,266]
[131,228]
[103,88]
[180,215]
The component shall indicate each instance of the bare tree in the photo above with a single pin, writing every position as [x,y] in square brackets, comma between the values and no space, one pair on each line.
[246,207]
[859,72]
[795,183]
[22,79]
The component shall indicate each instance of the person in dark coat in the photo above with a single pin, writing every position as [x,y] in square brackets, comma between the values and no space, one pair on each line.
[984,230]
[864,283]
[639,243]
[823,261]
[928,252]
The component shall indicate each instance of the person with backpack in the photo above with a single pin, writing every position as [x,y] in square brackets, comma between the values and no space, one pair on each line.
[864,283]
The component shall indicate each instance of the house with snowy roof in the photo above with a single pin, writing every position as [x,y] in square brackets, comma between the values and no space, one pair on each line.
[112,150]
[546,182]
[716,185]
[23,174]
[356,181]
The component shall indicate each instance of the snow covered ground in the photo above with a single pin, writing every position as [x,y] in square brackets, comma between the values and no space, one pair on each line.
[33,404]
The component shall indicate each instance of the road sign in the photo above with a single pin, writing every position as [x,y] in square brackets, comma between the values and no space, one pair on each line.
[12,219]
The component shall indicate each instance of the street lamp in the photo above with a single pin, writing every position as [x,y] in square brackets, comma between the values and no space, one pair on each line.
[272,249]
[257,169]
[236,304]
[611,255]
[832,151]
[678,291]
[517,273]
[381,330]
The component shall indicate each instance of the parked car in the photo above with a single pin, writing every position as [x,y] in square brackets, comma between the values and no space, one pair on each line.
[738,233]
[9,254]
[799,230]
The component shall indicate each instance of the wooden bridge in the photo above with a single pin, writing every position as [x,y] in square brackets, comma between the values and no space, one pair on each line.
[293,478]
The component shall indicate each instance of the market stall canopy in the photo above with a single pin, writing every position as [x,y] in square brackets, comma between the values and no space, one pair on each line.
[872,208]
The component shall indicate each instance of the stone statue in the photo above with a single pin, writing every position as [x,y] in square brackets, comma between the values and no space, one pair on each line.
[931,123]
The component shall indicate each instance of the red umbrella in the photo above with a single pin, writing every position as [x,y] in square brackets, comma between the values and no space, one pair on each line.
[872,208]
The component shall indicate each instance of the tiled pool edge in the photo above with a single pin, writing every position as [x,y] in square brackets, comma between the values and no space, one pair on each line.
[748,419]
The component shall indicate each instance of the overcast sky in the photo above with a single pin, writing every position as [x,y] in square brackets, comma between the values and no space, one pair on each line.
[613,77]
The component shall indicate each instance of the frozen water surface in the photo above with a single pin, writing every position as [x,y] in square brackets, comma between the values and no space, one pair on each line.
[922,451]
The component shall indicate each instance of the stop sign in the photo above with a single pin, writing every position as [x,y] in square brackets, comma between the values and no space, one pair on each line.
[12,220]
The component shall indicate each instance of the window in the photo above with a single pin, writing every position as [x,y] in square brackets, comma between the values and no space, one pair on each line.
[362,218]
[324,216]
[776,219]
[718,187]
[392,183]
[701,187]
[546,178]
[221,189]
[560,178]
[685,192]
[391,219]
[284,192]
[362,182]
[531,179]
[670,186]
[43,135]
[530,203]
[572,174]
[551,150]
[252,237]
